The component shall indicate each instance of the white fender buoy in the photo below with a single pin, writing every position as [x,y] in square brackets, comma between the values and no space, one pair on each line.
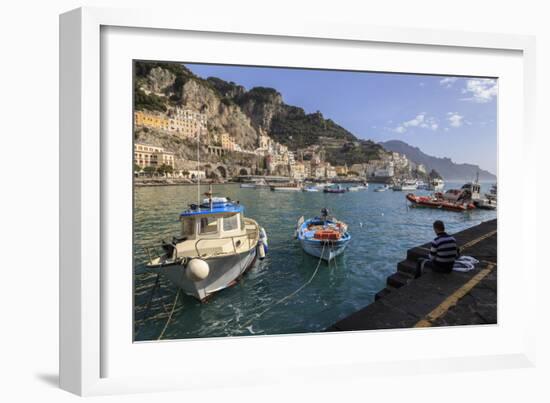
[197,270]
[261,250]
[263,236]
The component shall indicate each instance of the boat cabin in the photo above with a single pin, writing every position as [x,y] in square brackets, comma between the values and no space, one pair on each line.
[474,188]
[216,227]
[220,219]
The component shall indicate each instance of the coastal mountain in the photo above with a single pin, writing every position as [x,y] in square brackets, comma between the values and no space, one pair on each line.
[448,169]
[243,114]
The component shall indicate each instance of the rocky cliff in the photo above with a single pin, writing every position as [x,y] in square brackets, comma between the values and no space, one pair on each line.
[241,114]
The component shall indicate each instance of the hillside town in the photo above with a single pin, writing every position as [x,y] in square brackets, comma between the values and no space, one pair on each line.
[222,156]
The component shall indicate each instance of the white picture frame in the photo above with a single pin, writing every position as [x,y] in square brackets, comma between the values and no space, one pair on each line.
[87,342]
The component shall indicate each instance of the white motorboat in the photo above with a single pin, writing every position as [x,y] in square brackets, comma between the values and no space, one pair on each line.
[382,188]
[486,204]
[217,245]
[286,188]
[436,185]
[355,188]
[492,195]
[406,185]
[421,185]
[310,189]
[255,184]
[468,191]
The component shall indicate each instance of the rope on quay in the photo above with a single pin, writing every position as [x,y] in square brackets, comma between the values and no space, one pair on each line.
[170,316]
[246,324]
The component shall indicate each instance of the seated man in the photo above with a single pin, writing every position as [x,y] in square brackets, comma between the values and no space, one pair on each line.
[443,252]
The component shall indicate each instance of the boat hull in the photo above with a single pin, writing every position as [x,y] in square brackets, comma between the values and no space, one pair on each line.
[330,243]
[224,272]
[326,250]
[334,191]
[486,204]
[286,189]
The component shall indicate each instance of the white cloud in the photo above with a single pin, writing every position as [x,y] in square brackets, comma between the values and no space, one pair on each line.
[417,121]
[480,90]
[455,120]
[448,82]
[400,129]
[421,120]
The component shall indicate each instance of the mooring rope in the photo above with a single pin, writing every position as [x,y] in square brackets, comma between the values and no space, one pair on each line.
[170,316]
[292,293]
[150,303]
[335,263]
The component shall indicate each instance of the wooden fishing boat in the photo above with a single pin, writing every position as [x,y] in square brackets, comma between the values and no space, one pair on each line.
[323,237]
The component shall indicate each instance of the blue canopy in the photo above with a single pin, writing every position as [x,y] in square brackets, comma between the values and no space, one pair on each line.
[217,208]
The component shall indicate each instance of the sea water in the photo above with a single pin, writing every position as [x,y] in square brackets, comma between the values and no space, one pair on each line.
[382,227]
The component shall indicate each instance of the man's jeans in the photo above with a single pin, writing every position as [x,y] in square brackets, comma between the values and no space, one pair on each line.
[423,263]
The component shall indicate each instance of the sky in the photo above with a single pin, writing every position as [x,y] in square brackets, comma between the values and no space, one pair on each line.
[444,116]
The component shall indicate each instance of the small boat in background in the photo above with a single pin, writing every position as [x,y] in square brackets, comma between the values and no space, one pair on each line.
[255,184]
[492,195]
[310,189]
[486,204]
[421,185]
[439,203]
[436,185]
[288,187]
[355,188]
[408,184]
[323,237]
[335,189]
[382,188]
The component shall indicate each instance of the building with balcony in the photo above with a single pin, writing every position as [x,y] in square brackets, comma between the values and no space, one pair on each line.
[146,155]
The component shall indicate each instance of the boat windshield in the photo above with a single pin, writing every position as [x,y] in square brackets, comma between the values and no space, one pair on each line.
[209,225]
[231,223]
[187,226]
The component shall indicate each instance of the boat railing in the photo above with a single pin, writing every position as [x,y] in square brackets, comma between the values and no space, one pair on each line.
[152,252]
[250,237]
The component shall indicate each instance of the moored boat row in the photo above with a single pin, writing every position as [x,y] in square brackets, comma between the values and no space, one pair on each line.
[439,203]
[466,198]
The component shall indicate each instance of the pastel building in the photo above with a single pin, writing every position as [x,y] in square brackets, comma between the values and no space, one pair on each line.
[146,155]
[186,123]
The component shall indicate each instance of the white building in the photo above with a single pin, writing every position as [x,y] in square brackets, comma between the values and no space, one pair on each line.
[194,174]
[385,172]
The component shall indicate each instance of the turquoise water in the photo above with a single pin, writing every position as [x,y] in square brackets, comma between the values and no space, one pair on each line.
[382,229]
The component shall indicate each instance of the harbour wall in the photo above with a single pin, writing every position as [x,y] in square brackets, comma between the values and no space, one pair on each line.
[436,299]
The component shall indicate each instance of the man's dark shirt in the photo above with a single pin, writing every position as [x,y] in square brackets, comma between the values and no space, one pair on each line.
[444,250]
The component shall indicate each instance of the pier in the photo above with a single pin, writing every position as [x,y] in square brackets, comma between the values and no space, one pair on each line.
[435,299]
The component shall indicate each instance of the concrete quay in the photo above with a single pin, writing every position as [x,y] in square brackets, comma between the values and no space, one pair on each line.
[435,299]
